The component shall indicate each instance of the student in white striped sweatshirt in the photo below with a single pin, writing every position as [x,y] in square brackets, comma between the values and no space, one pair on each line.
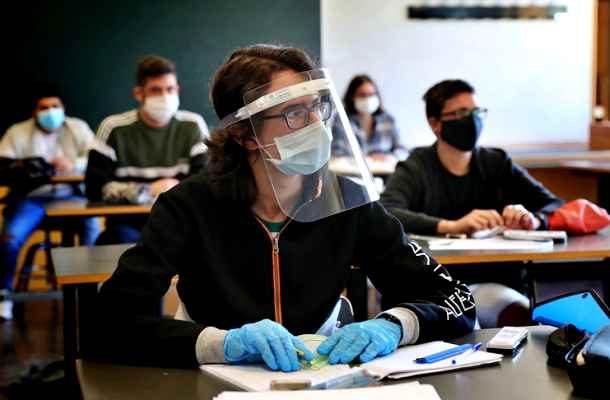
[144,152]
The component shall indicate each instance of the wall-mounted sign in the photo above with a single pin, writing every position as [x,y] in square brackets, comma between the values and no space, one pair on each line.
[485,12]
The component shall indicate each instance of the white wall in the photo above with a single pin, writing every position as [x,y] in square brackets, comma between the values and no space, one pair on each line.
[534,76]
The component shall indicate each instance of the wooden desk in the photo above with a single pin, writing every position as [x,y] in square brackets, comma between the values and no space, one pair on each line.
[74,180]
[65,213]
[601,167]
[67,179]
[595,249]
[566,183]
[81,209]
[552,157]
[524,377]
[79,270]
[86,264]
[597,170]
[587,247]
[345,166]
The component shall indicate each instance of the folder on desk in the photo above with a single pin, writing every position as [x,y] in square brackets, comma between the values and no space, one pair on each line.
[400,364]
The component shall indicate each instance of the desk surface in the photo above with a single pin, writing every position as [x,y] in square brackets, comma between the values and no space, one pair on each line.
[585,247]
[554,158]
[346,166]
[72,179]
[602,167]
[525,376]
[548,158]
[74,265]
[68,178]
[80,208]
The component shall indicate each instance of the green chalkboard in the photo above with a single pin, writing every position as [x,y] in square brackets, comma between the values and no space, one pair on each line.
[91,48]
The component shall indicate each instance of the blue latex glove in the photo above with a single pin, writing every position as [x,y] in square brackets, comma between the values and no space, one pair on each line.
[266,340]
[368,339]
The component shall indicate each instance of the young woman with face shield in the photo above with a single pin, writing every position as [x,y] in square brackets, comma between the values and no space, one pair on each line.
[264,239]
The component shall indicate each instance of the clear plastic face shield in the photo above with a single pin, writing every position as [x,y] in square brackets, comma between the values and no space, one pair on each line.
[296,119]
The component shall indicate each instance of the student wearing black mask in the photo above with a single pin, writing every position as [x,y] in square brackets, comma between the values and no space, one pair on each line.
[455,186]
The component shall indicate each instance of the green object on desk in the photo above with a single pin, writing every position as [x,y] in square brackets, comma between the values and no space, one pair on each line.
[316,364]
[312,342]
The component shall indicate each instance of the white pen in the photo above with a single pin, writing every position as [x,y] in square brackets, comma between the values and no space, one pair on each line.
[462,356]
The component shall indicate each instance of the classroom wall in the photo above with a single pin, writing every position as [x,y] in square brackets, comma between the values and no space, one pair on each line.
[534,76]
[91,48]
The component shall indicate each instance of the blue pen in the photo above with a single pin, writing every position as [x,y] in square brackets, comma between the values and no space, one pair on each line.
[462,356]
[445,354]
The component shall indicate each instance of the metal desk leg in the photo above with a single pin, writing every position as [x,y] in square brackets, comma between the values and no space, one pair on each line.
[603,191]
[70,344]
[86,314]
[68,231]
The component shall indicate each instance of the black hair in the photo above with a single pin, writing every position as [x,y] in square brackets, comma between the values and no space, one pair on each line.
[153,66]
[245,69]
[438,94]
[42,90]
[348,98]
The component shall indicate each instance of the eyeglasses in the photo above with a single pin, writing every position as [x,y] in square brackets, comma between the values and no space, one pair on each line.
[297,116]
[462,113]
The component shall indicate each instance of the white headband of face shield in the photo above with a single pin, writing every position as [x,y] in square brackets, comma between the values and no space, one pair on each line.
[274,98]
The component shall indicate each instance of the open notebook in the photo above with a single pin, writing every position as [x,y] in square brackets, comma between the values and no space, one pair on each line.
[399,364]
[403,391]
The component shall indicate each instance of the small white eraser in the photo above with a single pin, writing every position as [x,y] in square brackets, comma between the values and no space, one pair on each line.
[508,339]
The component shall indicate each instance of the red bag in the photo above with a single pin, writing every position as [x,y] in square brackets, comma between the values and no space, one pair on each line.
[579,216]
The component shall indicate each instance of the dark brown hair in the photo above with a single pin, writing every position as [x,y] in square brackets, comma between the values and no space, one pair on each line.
[153,66]
[348,99]
[43,90]
[247,68]
[438,94]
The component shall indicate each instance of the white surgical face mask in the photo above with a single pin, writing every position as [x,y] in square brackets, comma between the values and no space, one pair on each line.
[303,151]
[161,108]
[367,105]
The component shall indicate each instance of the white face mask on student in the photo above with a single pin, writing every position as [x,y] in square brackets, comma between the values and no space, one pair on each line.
[302,152]
[366,105]
[161,108]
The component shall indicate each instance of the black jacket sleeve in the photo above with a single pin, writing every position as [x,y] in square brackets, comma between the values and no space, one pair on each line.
[407,277]
[130,328]
[404,188]
[519,187]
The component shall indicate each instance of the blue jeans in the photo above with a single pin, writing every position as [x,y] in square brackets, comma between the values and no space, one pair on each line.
[20,221]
